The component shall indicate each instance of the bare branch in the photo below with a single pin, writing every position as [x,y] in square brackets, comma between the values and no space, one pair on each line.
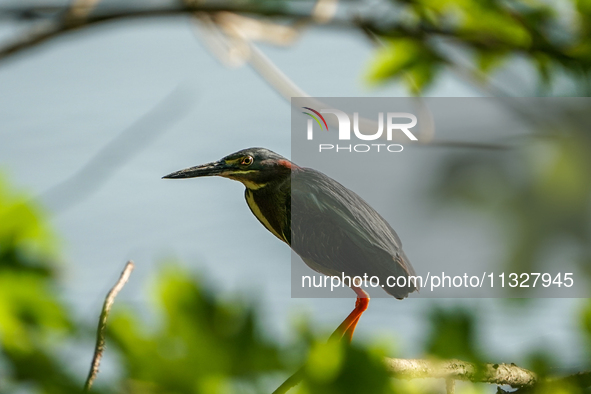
[73,18]
[102,325]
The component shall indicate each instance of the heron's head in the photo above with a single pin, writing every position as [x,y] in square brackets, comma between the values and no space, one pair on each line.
[254,167]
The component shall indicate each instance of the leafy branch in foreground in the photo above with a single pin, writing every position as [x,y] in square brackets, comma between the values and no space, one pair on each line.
[34,324]
[421,38]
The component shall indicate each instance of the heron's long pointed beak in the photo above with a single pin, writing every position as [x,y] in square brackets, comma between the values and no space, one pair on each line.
[209,169]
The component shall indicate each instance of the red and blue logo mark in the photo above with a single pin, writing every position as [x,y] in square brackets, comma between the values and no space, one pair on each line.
[315,118]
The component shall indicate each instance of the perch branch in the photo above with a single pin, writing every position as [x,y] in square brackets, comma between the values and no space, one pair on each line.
[454,370]
[102,325]
[500,374]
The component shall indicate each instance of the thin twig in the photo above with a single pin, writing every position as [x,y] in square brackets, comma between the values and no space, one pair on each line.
[102,325]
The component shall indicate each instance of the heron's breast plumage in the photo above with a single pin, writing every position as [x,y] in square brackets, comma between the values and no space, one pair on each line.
[267,207]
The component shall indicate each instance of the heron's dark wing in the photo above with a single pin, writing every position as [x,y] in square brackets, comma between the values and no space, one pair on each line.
[335,231]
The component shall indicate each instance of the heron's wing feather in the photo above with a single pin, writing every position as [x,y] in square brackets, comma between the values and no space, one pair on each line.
[336,231]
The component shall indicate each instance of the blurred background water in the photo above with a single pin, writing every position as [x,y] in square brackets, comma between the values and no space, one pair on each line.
[62,102]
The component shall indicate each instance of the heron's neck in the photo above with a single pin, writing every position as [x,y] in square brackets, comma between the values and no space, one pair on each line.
[269,204]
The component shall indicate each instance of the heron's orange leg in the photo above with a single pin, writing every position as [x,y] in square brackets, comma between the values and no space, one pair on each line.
[347,327]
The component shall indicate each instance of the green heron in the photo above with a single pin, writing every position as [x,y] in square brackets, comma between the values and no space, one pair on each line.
[330,227]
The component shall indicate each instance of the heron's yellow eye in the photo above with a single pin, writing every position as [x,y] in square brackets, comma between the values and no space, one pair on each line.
[247,161]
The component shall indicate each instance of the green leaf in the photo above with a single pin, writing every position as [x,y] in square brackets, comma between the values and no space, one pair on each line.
[404,57]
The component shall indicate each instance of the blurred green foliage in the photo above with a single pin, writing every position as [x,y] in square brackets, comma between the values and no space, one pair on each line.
[453,335]
[423,36]
[198,341]
[538,195]
[200,345]
[33,321]
[205,345]
[336,367]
